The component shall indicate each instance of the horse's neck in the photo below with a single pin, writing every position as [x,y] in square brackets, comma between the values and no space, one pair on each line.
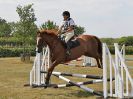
[51,41]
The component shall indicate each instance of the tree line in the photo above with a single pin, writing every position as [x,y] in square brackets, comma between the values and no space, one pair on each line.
[128,41]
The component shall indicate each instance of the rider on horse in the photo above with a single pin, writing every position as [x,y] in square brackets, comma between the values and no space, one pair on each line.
[67,29]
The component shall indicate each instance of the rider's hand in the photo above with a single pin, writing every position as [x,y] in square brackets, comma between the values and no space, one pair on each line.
[63,32]
[58,34]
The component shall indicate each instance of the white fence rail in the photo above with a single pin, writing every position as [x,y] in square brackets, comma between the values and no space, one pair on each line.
[41,63]
[122,77]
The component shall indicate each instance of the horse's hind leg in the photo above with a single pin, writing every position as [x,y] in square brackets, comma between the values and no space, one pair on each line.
[98,63]
[101,61]
[98,58]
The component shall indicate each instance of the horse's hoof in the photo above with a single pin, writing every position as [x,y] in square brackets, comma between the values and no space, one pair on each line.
[100,67]
[45,86]
[47,83]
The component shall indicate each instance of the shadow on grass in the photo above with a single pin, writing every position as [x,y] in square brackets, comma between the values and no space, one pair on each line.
[85,94]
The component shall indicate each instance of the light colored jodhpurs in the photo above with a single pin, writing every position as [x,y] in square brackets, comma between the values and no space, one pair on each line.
[68,36]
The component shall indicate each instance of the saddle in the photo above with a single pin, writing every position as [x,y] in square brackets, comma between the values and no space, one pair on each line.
[72,43]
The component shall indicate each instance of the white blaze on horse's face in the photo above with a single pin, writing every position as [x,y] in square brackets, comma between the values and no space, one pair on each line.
[38,38]
[37,44]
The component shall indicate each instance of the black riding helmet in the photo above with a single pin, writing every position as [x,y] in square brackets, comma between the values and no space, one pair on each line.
[66,13]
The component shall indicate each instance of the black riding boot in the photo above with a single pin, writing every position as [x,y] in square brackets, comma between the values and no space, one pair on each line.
[68,50]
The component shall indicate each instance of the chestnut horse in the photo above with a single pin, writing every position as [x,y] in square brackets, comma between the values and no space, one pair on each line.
[89,46]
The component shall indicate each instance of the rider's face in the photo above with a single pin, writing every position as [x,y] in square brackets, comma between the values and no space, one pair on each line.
[65,17]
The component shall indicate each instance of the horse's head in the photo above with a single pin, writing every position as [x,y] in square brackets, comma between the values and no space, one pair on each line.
[45,37]
[40,42]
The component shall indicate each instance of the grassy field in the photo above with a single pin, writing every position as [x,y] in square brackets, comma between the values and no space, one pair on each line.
[14,74]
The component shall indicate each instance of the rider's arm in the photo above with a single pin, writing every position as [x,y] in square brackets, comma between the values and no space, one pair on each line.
[71,28]
[60,29]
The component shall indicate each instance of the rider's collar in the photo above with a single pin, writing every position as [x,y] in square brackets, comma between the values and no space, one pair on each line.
[67,19]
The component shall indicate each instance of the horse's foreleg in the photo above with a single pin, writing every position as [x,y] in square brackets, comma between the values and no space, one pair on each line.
[50,70]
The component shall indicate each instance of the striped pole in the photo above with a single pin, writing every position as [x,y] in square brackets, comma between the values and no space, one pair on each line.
[78,85]
[76,75]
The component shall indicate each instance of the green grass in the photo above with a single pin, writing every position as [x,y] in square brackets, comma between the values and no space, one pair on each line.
[14,74]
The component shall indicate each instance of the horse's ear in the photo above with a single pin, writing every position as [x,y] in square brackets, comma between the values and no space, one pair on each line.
[38,33]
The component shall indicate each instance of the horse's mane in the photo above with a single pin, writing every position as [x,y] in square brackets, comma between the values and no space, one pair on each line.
[49,32]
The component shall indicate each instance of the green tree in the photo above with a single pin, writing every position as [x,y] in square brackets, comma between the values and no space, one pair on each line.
[26,27]
[79,30]
[109,41]
[126,40]
[13,27]
[5,29]
[48,25]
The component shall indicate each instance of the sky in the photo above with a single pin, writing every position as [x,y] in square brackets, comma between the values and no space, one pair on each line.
[103,18]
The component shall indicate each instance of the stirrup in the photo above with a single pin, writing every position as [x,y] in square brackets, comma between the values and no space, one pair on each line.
[68,53]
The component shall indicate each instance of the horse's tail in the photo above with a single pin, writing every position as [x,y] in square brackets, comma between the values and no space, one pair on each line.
[99,48]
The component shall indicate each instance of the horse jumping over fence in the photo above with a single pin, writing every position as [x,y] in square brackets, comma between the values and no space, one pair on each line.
[89,45]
